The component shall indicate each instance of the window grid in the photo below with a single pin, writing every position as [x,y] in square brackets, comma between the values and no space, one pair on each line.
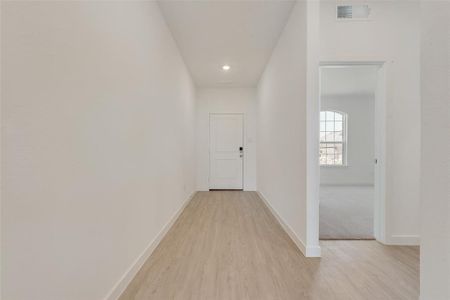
[332,138]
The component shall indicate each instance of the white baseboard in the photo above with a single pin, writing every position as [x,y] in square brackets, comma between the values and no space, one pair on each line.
[308,251]
[125,280]
[313,251]
[404,240]
[347,184]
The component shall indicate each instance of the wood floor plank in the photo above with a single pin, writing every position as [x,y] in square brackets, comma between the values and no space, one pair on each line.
[227,245]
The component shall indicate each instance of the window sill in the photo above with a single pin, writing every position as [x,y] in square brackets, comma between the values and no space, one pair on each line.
[334,166]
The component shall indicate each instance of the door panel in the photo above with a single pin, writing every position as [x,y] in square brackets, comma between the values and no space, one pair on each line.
[226,159]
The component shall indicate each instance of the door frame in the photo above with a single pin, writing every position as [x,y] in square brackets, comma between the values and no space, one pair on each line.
[243,145]
[382,95]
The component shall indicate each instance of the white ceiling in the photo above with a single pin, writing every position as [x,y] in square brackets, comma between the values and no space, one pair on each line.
[241,34]
[340,80]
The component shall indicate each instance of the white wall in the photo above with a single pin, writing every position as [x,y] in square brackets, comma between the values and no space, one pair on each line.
[98,143]
[393,36]
[360,111]
[281,107]
[435,194]
[226,100]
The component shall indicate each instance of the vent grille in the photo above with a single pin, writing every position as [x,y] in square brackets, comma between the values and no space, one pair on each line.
[353,12]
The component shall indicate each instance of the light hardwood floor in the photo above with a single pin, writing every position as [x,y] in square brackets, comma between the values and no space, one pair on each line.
[227,245]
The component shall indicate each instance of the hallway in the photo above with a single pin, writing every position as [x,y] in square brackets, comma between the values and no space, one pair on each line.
[227,245]
[119,118]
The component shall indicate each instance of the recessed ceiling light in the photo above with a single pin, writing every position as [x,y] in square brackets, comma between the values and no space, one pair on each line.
[226,67]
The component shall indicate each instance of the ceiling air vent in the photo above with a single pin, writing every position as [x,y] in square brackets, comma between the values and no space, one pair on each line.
[353,12]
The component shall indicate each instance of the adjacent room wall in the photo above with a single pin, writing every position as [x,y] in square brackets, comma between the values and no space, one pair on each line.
[98,116]
[392,35]
[435,187]
[360,111]
[226,100]
[281,119]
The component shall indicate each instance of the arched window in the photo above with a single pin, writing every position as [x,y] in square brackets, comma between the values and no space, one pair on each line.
[333,138]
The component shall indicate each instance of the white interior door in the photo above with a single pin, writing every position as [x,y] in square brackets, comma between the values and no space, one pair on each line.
[226,151]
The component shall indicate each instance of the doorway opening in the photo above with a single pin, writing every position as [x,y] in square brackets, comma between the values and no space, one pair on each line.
[226,151]
[352,97]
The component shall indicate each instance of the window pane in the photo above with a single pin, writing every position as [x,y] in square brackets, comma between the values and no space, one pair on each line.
[330,159]
[331,138]
[323,154]
[331,154]
[322,137]
[329,126]
[338,148]
[332,149]
[322,126]
[330,116]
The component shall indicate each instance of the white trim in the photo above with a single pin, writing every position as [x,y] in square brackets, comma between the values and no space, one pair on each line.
[335,166]
[404,240]
[361,184]
[344,63]
[125,280]
[384,92]
[313,251]
[308,251]
[312,128]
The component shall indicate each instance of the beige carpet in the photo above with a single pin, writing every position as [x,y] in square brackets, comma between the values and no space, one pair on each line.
[346,212]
